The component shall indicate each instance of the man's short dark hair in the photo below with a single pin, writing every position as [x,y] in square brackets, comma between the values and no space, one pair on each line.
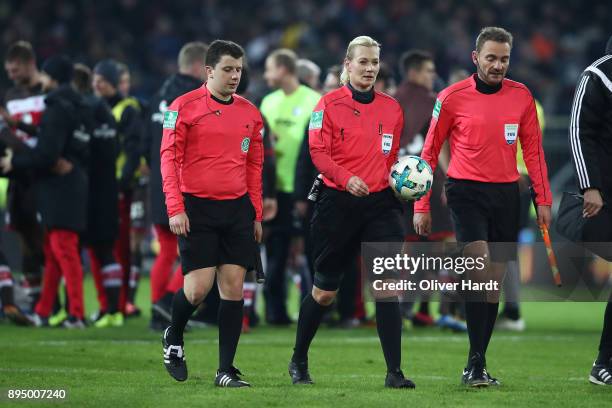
[285,57]
[81,78]
[21,51]
[219,48]
[191,52]
[414,59]
[496,34]
[384,74]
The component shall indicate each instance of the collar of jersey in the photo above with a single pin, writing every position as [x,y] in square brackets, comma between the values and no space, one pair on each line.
[359,96]
[484,88]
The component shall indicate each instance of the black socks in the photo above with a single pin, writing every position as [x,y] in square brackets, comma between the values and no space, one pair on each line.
[311,314]
[476,319]
[389,327]
[230,326]
[480,318]
[492,309]
[181,312]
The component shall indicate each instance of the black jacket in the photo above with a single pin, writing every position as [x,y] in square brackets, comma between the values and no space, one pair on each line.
[129,135]
[305,172]
[64,132]
[269,166]
[590,133]
[173,87]
[103,209]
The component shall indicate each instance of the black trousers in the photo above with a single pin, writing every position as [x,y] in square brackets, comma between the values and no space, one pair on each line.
[277,250]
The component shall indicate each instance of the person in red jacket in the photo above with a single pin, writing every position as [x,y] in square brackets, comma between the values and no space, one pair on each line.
[211,166]
[354,140]
[482,116]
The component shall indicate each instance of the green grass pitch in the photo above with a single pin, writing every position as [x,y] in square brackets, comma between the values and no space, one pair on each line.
[547,365]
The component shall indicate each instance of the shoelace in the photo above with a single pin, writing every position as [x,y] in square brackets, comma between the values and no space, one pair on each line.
[174,351]
[233,370]
[229,376]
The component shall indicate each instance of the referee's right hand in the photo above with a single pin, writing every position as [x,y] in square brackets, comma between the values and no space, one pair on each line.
[422,223]
[357,187]
[179,224]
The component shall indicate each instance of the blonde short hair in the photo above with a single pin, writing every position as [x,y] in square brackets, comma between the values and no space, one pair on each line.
[362,40]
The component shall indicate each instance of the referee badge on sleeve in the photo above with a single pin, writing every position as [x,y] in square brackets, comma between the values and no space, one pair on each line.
[436,109]
[511,132]
[170,119]
[316,120]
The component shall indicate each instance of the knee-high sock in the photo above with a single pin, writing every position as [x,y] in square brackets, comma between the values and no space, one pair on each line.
[309,320]
[230,326]
[476,319]
[492,309]
[181,312]
[389,327]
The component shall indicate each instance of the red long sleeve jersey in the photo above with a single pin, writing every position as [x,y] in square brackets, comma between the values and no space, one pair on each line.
[211,150]
[348,138]
[482,130]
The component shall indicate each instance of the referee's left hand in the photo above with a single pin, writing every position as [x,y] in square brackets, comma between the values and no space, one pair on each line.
[544,215]
[258,231]
[179,224]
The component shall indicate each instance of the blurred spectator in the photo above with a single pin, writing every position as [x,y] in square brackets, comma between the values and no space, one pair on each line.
[384,81]
[309,73]
[555,41]
[287,111]
[22,109]
[127,112]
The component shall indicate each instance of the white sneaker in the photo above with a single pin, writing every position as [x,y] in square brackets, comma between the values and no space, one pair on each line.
[503,323]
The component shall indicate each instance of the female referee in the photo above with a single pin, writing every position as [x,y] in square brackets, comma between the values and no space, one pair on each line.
[354,139]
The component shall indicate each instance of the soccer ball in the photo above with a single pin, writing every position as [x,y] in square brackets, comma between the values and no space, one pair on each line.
[410,178]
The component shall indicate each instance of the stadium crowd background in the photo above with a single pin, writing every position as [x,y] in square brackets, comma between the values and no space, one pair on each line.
[554,40]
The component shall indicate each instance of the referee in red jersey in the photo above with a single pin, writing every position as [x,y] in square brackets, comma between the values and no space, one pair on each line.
[482,116]
[211,165]
[354,136]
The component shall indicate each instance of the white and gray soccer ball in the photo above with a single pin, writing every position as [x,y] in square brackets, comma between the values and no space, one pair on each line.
[410,178]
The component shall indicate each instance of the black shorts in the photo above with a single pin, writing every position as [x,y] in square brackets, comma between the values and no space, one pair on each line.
[341,222]
[221,233]
[486,212]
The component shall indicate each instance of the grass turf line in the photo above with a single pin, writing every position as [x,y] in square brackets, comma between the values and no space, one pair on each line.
[548,365]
